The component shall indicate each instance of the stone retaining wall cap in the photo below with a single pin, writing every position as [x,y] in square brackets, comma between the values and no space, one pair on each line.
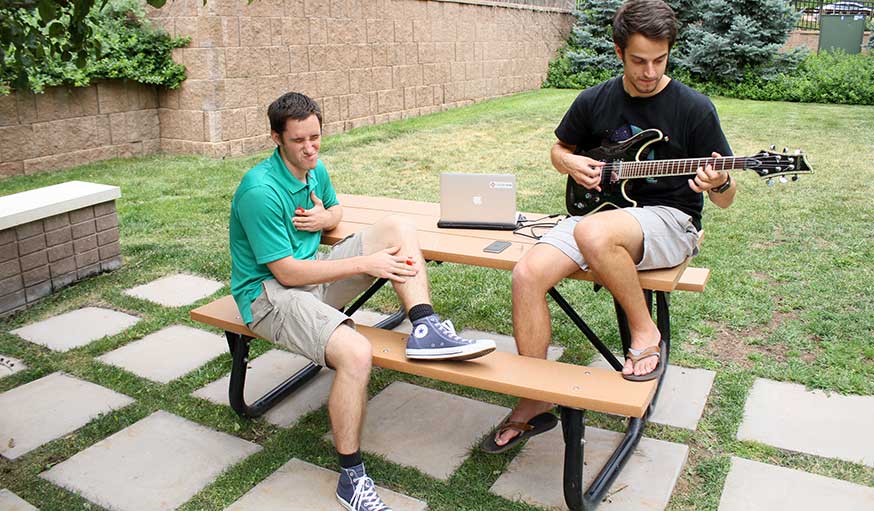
[24,207]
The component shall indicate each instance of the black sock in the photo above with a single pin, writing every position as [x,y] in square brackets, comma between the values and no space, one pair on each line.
[350,460]
[420,311]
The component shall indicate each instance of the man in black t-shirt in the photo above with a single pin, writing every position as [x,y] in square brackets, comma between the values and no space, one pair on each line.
[661,231]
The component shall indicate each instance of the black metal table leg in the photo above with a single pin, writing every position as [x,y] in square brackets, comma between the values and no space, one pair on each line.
[240,353]
[574,427]
[584,328]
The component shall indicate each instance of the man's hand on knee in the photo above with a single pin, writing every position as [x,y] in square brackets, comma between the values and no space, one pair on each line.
[387,264]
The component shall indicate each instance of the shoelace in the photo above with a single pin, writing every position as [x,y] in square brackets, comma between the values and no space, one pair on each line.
[365,493]
[449,329]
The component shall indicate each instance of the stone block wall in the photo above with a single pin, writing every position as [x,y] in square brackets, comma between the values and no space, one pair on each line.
[364,61]
[65,127]
[43,256]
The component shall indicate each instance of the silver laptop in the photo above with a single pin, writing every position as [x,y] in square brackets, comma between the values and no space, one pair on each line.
[478,201]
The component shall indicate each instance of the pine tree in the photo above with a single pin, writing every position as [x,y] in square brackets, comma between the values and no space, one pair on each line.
[590,48]
[733,38]
[718,41]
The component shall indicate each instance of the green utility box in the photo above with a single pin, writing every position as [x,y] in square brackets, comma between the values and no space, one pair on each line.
[842,31]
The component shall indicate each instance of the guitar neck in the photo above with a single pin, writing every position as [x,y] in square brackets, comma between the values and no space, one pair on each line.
[667,168]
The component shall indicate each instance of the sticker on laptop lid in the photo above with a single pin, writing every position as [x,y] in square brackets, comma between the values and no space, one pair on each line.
[501,185]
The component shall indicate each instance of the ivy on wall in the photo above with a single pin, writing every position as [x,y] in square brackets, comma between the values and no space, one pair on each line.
[47,43]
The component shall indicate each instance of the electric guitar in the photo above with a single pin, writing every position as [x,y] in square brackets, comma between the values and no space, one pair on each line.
[623,164]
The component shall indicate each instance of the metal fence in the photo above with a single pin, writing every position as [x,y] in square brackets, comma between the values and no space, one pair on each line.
[811,9]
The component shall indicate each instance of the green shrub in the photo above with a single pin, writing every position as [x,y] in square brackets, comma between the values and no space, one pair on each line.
[122,44]
[827,77]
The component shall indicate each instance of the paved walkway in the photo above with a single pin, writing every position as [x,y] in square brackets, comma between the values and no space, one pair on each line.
[161,461]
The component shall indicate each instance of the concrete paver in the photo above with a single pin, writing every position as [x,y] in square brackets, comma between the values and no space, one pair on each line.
[49,408]
[755,486]
[267,371]
[369,318]
[645,484]
[507,343]
[427,429]
[12,502]
[10,366]
[156,464]
[788,416]
[76,328]
[176,290]
[683,396]
[168,353]
[311,488]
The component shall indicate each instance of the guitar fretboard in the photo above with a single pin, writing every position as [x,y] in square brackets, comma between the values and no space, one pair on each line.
[666,168]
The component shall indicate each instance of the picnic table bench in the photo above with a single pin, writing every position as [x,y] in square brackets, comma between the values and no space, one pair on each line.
[572,388]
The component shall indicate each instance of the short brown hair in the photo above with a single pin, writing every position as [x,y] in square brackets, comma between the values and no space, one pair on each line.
[292,105]
[652,19]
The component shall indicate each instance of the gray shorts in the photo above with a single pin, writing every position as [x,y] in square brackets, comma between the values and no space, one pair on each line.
[669,237]
[303,318]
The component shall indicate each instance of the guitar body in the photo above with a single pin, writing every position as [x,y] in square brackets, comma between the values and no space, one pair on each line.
[580,201]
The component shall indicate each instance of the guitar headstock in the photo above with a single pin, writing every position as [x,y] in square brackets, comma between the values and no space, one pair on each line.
[772,164]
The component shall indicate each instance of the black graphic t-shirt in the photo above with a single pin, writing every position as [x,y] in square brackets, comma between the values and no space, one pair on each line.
[606,113]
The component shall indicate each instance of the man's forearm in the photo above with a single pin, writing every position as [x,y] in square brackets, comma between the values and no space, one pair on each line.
[293,272]
[724,199]
[336,212]
[558,155]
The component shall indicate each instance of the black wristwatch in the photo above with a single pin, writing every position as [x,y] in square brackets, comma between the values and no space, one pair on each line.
[724,186]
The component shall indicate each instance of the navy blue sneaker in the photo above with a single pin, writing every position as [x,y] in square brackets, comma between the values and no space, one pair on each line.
[356,491]
[433,339]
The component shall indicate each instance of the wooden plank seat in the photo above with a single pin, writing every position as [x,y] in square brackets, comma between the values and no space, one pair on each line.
[589,388]
[573,388]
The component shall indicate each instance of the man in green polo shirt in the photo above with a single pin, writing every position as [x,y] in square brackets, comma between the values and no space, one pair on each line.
[290,294]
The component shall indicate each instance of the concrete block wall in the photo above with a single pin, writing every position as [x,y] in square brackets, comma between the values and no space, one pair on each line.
[65,127]
[45,255]
[365,61]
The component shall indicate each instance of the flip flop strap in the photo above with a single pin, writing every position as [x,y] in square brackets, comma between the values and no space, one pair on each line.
[521,427]
[651,351]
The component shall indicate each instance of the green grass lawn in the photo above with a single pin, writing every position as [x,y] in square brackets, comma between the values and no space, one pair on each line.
[790,297]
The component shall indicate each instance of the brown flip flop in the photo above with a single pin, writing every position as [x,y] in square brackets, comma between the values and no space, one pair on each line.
[652,351]
[537,425]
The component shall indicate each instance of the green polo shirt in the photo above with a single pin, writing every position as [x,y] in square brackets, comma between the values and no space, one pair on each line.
[261,230]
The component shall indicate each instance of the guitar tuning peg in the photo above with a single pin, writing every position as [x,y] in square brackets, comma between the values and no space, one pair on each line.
[770,182]
[778,169]
[785,150]
[790,167]
[794,177]
[783,179]
[773,147]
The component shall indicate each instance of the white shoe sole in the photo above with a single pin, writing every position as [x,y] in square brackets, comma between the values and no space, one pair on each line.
[465,352]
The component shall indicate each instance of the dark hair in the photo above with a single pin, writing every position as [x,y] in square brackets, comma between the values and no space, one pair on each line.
[652,19]
[292,105]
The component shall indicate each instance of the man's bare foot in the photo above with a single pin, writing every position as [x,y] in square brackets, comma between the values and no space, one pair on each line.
[525,410]
[644,365]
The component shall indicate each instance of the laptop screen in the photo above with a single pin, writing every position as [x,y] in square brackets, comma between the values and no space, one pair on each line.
[485,201]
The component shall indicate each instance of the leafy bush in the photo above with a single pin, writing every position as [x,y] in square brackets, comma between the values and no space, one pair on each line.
[827,77]
[122,44]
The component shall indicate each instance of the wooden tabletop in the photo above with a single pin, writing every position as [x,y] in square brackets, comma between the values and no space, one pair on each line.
[465,246]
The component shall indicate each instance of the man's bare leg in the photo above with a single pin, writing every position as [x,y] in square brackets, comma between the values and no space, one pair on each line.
[540,269]
[432,338]
[390,232]
[349,353]
[612,243]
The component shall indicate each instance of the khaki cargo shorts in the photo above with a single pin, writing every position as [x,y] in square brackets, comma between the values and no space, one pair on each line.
[669,237]
[303,318]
